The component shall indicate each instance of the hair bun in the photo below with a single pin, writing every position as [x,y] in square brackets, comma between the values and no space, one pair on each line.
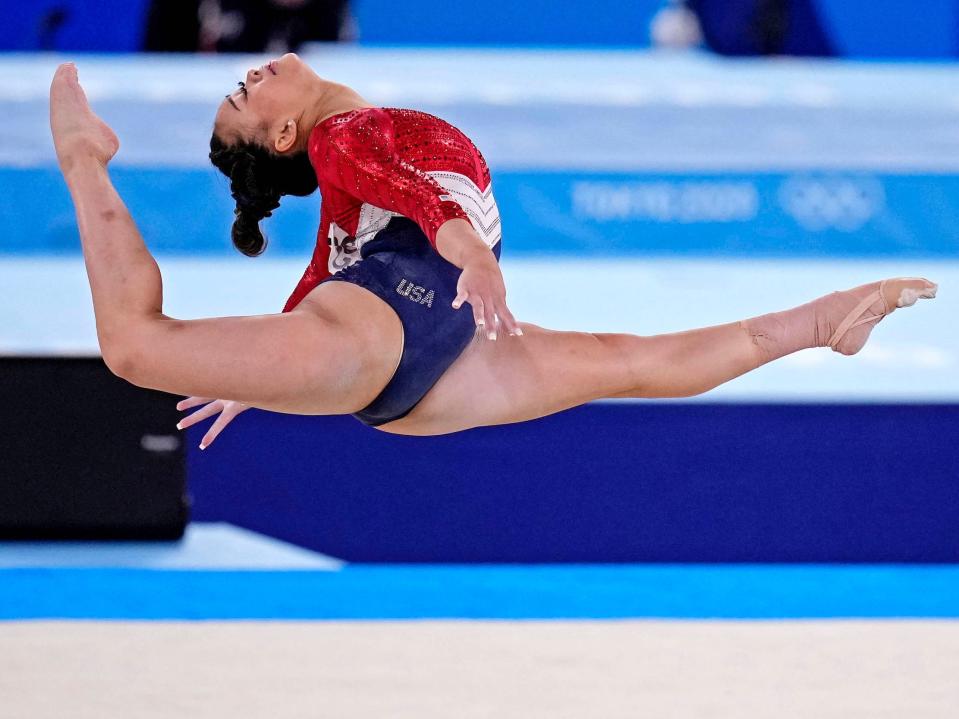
[246,234]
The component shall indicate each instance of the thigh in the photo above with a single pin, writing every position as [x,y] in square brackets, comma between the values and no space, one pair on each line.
[514,379]
[331,355]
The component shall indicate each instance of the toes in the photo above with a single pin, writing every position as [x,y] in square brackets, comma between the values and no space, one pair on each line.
[65,87]
[908,296]
[67,71]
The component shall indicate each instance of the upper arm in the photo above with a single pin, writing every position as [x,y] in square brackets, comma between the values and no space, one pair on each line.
[359,157]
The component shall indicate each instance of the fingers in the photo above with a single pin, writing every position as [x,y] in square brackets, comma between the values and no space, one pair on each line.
[227,410]
[480,316]
[479,313]
[485,316]
[192,402]
[201,414]
[489,316]
[509,322]
[211,434]
[486,312]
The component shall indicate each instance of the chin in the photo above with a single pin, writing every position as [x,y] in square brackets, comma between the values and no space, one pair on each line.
[290,60]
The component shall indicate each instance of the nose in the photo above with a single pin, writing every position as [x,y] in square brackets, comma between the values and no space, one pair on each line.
[253,75]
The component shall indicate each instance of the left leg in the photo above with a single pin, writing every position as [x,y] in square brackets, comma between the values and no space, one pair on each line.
[544,371]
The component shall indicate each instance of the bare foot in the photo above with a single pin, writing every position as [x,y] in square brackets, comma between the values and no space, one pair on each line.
[845,319]
[78,134]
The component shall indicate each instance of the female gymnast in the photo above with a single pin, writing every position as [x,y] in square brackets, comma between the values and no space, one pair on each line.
[376,327]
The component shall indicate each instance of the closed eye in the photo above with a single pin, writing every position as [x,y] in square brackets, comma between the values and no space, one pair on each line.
[242,90]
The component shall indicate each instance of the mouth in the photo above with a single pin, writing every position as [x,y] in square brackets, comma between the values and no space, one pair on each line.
[271,66]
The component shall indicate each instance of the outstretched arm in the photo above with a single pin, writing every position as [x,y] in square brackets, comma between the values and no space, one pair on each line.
[481,281]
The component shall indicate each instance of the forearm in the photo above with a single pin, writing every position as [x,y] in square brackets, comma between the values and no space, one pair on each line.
[457,242]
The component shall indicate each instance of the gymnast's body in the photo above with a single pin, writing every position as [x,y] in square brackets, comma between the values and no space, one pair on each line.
[400,318]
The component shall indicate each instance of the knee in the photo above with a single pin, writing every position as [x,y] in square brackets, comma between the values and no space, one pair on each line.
[122,363]
[622,350]
[647,369]
[121,352]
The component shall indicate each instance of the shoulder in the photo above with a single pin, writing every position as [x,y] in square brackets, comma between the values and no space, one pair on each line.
[365,130]
[352,124]
[362,135]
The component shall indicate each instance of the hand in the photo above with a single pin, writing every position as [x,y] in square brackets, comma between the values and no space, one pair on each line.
[227,409]
[481,284]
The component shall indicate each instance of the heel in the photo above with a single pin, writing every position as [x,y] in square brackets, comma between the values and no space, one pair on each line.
[854,319]
[873,307]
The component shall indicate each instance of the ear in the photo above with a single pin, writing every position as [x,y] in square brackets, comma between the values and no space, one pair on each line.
[286,137]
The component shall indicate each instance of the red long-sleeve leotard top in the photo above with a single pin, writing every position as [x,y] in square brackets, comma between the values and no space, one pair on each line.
[375,163]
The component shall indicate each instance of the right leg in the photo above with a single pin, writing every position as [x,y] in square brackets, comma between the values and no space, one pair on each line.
[332,354]
[544,371]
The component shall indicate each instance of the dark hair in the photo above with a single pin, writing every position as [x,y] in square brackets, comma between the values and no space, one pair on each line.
[258,179]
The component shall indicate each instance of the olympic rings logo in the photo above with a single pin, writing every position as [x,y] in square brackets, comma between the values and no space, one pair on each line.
[840,203]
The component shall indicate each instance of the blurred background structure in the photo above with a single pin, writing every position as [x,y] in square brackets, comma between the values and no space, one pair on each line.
[891,29]
[659,165]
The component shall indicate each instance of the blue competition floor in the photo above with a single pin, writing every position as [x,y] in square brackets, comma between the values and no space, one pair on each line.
[55,581]
[486,592]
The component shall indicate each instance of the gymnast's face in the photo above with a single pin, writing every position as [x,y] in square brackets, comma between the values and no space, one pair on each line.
[268,106]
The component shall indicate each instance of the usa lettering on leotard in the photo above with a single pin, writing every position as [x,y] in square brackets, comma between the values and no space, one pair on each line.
[415,293]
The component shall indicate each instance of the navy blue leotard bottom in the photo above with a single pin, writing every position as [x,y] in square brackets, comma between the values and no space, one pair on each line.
[401,267]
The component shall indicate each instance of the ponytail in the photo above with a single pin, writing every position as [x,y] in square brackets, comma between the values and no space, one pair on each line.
[258,179]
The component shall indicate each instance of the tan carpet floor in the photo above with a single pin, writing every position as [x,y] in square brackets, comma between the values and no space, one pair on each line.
[429,669]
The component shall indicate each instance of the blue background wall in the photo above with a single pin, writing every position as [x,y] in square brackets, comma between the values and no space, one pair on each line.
[535,22]
[88,25]
[852,28]
[891,28]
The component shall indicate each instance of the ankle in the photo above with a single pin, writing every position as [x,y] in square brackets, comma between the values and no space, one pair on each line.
[762,337]
[778,334]
[77,166]
[80,155]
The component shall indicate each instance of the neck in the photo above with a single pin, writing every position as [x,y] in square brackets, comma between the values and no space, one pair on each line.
[330,99]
